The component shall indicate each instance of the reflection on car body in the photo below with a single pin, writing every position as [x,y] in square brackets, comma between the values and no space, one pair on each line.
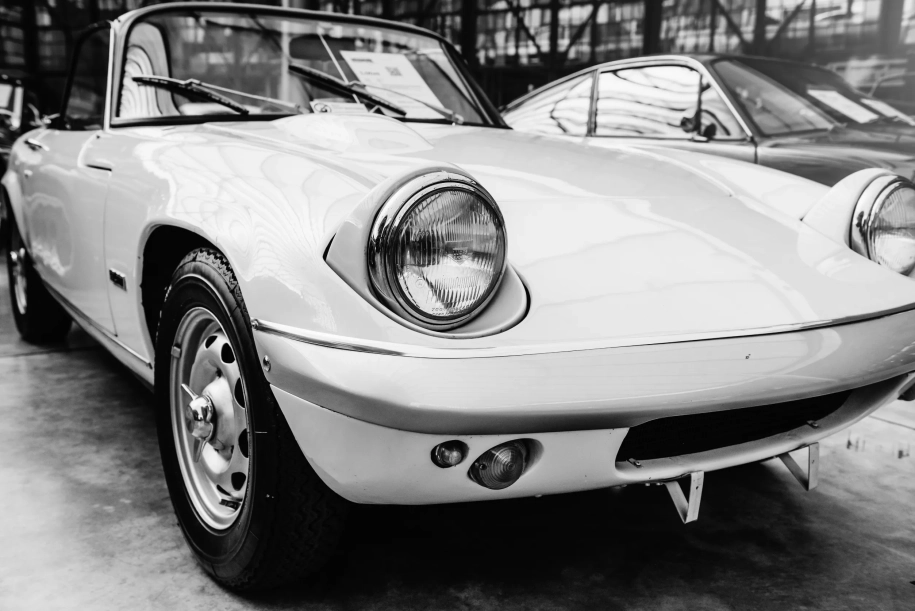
[784,115]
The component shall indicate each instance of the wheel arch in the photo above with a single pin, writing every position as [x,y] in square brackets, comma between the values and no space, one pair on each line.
[161,252]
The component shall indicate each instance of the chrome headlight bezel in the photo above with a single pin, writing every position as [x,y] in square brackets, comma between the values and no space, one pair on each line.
[386,226]
[868,209]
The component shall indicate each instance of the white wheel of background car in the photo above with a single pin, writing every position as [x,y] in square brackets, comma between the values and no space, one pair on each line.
[209,418]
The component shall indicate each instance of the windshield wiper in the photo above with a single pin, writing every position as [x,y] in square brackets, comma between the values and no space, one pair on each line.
[445,112]
[190,86]
[206,90]
[349,88]
[361,90]
[883,119]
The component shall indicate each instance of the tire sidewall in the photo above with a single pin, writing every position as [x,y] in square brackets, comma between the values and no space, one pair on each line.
[224,553]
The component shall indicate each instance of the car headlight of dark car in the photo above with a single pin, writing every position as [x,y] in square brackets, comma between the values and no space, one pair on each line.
[437,250]
[883,225]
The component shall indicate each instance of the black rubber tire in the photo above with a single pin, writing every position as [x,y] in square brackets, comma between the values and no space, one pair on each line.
[44,320]
[290,521]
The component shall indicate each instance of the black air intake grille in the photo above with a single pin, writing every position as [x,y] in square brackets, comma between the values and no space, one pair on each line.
[678,435]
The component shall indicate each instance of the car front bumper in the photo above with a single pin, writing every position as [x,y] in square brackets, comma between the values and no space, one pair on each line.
[367,463]
[368,421]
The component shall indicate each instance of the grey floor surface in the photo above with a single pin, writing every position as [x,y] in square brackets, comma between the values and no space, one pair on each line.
[86,523]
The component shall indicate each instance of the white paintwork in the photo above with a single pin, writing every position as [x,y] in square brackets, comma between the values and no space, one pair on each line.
[366,463]
[604,255]
[588,389]
[629,257]
[64,211]
[832,214]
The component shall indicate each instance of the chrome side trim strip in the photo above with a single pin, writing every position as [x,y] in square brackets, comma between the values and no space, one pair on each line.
[327,340]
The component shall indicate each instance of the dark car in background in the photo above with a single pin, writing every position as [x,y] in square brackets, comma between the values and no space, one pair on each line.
[785,115]
[18,114]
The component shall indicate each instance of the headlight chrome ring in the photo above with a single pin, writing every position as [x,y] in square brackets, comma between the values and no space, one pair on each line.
[437,250]
[884,235]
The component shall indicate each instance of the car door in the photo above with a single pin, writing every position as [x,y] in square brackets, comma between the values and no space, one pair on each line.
[659,105]
[66,184]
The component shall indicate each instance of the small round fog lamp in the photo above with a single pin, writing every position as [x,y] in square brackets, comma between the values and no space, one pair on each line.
[501,466]
[449,453]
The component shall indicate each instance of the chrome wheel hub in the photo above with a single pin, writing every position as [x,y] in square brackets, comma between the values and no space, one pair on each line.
[209,418]
[20,284]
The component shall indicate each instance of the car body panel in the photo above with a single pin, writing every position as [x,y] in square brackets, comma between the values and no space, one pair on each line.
[829,157]
[576,388]
[367,463]
[701,257]
[64,205]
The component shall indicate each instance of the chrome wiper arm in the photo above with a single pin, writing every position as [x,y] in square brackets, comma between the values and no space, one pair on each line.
[445,112]
[350,88]
[192,86]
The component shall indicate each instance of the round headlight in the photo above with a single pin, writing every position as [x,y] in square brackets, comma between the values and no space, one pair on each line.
[437,250]
[884,230]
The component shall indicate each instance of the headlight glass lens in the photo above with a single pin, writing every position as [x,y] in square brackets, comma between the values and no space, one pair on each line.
[891,236]
[447,253]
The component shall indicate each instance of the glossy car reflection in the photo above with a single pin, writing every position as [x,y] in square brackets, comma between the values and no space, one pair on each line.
[346,280]
[784,115]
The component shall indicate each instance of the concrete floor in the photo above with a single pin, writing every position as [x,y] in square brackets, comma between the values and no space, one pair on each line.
[87,524]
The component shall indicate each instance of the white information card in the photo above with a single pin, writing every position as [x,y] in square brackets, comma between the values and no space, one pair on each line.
[393,71]
[844,105]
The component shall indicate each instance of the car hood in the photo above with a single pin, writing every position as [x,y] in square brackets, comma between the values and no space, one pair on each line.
[828,157]
[614,245]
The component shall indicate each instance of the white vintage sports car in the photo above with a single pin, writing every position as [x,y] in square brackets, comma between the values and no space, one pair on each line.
[346,280]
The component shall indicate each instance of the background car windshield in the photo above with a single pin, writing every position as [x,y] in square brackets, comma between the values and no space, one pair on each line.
[251,53]
[828,91]
[773,108]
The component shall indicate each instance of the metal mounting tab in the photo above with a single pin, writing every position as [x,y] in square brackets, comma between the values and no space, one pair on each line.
[810,479]
[687,508]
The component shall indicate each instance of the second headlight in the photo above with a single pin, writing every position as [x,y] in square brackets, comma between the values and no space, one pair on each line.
[437,250]
[883,228]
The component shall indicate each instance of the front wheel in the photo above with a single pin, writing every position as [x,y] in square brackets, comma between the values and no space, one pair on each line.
[252,509]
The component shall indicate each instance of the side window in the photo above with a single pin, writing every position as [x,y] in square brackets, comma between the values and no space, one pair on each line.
[84,107]
[650,102]
[560,110]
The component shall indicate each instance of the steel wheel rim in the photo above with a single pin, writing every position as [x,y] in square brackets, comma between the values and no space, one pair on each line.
[20,283]
[214,469]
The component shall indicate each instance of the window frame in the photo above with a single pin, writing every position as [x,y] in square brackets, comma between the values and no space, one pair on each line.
[121,29]
[60,122]
[593,73]
[695,65]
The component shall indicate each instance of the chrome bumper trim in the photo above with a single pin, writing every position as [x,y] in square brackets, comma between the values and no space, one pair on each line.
[453,351]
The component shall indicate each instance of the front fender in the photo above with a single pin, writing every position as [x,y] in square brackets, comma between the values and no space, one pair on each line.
[787,193]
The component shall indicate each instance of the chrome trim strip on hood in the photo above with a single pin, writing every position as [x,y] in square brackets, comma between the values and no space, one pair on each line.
[328,340]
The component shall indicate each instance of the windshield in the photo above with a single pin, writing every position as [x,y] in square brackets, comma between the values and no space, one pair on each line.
[773,108]
[829,92]
[256,55]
